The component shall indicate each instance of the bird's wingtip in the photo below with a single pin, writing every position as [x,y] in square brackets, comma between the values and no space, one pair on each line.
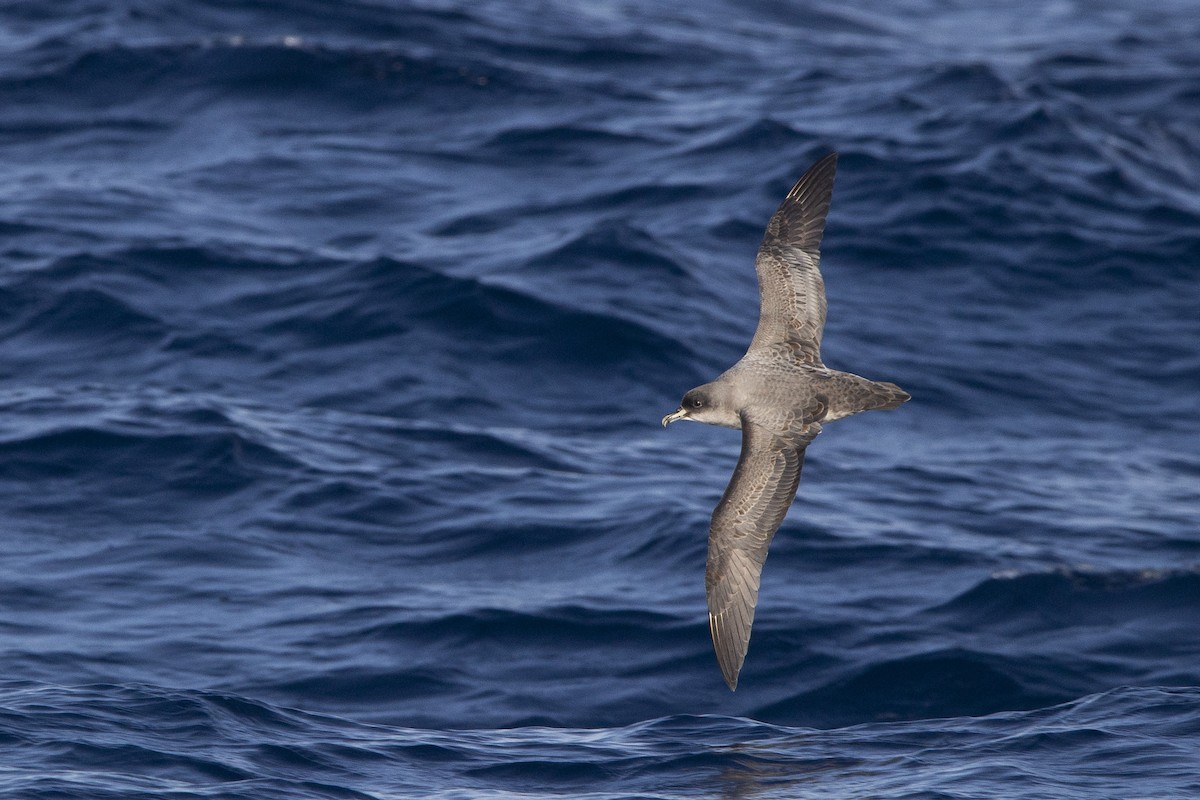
[725,659]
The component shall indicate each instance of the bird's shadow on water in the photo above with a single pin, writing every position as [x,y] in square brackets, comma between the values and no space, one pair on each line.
[794,762]
[755,778]
[741,757]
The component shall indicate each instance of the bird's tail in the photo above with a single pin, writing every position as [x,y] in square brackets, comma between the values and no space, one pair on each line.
[854,394]
[885,396]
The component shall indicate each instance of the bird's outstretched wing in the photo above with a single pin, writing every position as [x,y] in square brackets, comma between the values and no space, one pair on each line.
[759,493]
[791,292]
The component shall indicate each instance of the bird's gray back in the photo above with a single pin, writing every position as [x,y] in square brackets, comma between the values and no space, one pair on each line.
[783,393]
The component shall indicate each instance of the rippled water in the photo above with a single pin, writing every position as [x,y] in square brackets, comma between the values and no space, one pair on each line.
[333,345]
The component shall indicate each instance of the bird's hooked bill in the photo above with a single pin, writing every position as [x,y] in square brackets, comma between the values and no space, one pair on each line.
[678,414]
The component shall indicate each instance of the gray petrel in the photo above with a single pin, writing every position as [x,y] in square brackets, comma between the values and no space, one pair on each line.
[779,394]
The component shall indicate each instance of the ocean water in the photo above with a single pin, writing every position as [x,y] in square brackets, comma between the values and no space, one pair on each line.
[334,339]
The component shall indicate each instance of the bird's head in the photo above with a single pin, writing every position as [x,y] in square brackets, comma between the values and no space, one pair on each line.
[704,404]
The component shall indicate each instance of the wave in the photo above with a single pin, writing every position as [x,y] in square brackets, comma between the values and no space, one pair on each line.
[83,315]
[197,463]
[157,78]
[198,440]
[1069,598]
[631,195]
[248,311]
[105,739]
[764,135]
[947,683]
[566,144]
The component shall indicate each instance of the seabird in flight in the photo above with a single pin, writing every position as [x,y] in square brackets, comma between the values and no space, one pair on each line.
[779,395]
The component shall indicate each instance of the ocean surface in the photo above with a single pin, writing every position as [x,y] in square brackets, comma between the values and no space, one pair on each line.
[334,340]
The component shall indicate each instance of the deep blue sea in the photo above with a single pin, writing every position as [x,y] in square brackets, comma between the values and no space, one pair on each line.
[335,336]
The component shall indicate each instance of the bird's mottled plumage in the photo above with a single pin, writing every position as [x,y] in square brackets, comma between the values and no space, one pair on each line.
[779,394]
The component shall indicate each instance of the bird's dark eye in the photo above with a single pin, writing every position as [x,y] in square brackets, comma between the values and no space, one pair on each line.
[697,402]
